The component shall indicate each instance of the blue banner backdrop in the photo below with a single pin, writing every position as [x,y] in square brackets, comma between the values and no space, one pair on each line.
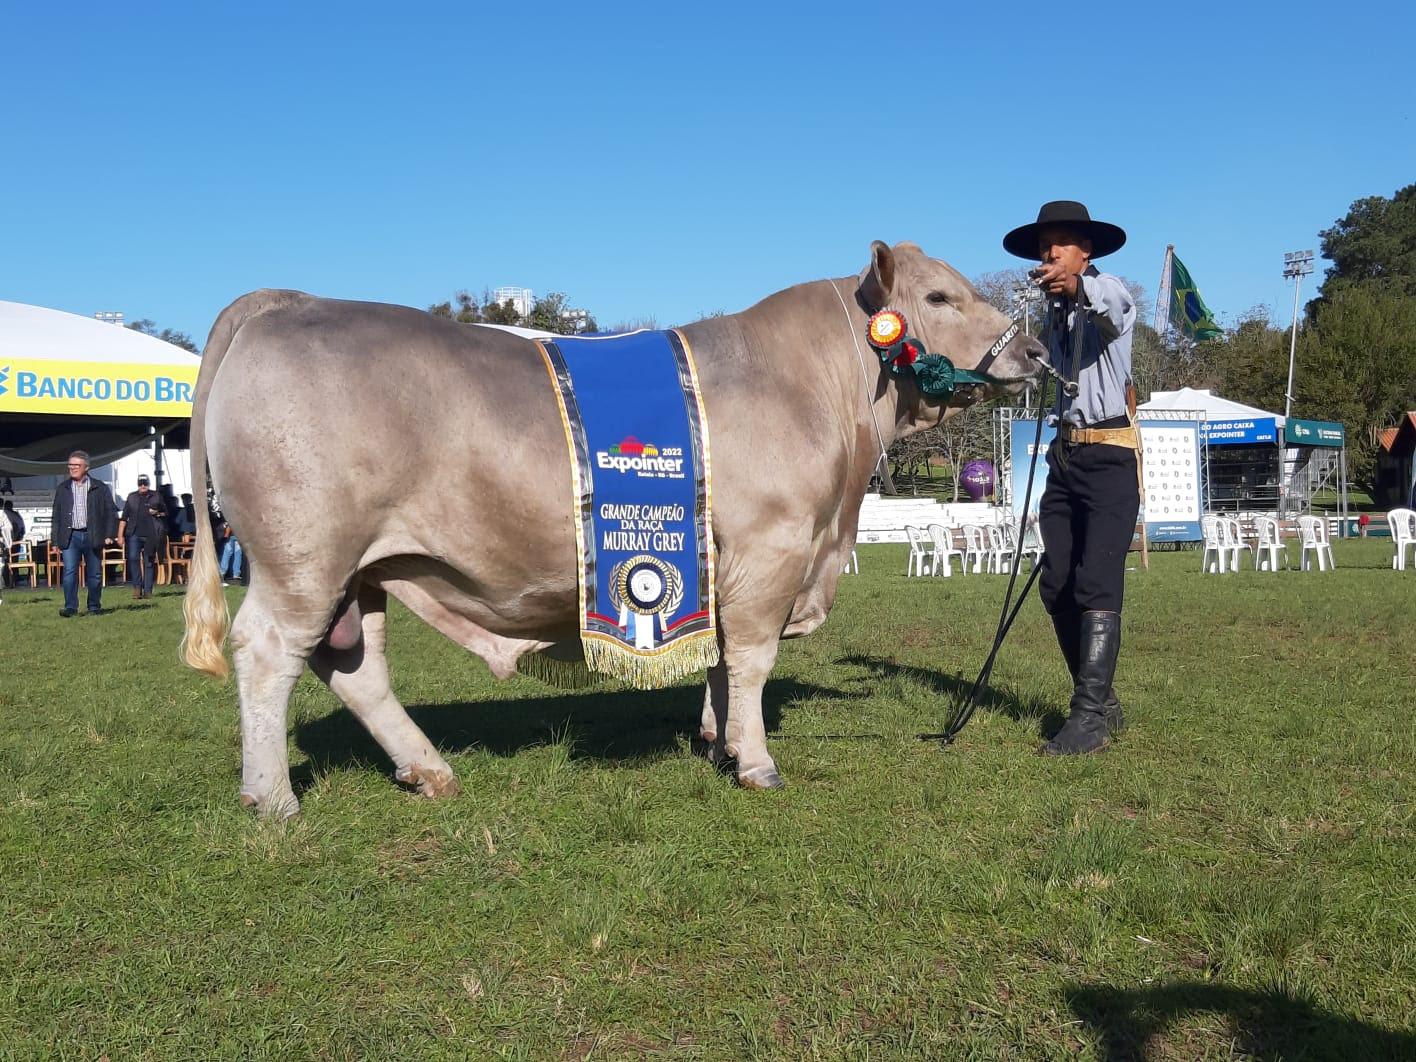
[1170,468]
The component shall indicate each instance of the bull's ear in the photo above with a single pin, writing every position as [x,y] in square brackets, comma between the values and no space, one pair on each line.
[879,279]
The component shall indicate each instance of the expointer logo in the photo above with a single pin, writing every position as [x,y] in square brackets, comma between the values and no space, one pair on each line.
[643,459]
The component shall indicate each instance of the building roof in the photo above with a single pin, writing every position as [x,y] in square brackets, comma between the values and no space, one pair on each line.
[1400,441]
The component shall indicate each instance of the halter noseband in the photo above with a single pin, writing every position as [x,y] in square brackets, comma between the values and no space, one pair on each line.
[934,374]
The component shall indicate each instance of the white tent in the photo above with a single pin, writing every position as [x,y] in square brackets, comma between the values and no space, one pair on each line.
[1208,403]
[70,382]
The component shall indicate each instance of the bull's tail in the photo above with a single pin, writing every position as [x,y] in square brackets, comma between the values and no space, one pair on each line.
[207,617]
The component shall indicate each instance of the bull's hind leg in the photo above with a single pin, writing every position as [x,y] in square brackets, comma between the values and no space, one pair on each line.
[269,647]
[713,728]
[746,735]
[359,677]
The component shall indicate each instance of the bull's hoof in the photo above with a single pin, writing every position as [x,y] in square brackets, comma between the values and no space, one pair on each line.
[433,784]
[277,808]
[760,778]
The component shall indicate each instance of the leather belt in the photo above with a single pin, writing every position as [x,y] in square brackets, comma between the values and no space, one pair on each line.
[1126,436]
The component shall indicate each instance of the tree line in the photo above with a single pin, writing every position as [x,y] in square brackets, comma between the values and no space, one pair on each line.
[548,313]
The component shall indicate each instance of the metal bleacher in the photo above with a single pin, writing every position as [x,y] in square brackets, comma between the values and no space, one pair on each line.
[36,506]
[883,519]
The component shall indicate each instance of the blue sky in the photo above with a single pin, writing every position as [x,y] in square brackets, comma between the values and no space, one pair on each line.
[667,161]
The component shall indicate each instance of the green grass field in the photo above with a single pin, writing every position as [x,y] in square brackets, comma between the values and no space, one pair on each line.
[1235,879]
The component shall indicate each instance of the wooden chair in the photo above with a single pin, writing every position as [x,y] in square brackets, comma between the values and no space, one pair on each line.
[54,568]
[179,559]
[114,557]
[22,561]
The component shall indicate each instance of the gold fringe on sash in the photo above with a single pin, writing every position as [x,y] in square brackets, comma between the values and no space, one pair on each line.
[563,674]
[653,670]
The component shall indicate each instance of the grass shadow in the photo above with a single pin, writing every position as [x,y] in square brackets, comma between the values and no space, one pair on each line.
[958,688]
[1267,1024]
[608,726]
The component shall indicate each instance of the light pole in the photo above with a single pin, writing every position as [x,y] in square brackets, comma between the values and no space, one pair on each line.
[1024,295]
[1297,265]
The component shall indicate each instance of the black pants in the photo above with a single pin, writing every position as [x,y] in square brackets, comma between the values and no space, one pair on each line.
[1087,517]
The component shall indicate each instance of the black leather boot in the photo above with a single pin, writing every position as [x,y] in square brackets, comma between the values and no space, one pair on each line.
[1068,626]
[1098,643]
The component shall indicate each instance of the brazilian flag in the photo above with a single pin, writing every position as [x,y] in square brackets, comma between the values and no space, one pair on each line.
[1188,311]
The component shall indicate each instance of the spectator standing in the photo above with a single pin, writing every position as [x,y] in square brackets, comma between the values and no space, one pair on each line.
[6,537]
[187,518]
[83,520]
[15,520]
[231,557]
[144,527]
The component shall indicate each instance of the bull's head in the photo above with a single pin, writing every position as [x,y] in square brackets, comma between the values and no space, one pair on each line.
[953,348]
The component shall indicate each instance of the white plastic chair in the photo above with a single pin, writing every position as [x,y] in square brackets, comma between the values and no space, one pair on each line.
[1032,543]
[1313,537]
[1268,544]
[975,548]
[944,551]
[1000,550]
[1215,554]
[1233,539]
[1402,523]
[921,550]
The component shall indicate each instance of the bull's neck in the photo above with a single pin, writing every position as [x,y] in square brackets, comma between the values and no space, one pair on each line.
[829,352]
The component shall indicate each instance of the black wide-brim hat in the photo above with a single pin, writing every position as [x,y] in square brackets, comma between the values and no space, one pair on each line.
[1105,238]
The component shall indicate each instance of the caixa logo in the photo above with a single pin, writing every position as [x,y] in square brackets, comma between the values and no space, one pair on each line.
[102,389]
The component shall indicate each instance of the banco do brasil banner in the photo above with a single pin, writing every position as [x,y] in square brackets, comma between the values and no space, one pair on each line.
[94,388]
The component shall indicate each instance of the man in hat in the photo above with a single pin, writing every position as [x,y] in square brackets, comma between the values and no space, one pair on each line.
[1088,511]
[143,526]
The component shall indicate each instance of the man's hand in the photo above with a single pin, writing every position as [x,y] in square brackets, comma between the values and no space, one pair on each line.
[1054,279]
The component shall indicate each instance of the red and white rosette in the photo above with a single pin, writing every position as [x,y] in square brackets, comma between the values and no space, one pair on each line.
[885,329]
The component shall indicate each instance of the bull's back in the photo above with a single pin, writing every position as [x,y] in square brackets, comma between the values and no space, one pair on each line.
[379,421]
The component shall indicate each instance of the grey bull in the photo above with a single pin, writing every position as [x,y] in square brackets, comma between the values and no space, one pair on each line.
[361,450]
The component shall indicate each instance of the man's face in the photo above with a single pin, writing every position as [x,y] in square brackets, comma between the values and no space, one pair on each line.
[1064,246]
[143,489]
[78,467]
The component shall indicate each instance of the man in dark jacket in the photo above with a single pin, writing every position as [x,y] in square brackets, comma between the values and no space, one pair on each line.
[82,522]
[143,526]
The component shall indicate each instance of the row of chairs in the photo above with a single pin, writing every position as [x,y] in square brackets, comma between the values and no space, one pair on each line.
[1225,541]
[28,562]
[978,548]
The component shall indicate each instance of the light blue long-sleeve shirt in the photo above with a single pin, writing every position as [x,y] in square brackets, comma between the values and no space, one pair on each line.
[1104,370]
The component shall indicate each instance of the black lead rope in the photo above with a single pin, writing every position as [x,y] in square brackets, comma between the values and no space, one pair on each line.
[962,709]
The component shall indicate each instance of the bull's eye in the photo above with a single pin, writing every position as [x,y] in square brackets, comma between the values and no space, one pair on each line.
[937,298]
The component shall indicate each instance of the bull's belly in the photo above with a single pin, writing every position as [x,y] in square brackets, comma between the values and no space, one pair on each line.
[498,627]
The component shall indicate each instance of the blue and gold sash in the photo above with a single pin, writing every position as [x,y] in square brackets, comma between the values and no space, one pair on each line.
[638,441]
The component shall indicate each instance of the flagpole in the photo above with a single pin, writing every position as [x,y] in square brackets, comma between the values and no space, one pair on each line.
[1162,300]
